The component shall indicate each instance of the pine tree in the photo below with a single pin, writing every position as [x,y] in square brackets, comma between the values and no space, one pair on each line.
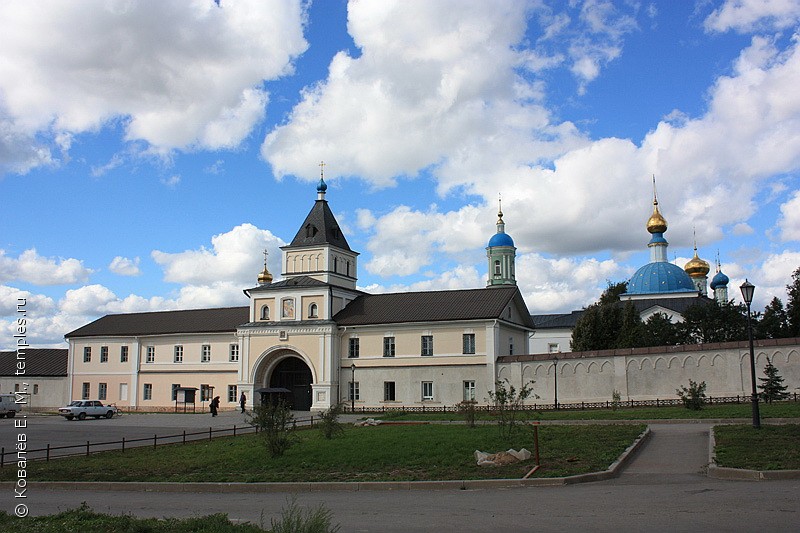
[793,304]
[772,387]
[774,323]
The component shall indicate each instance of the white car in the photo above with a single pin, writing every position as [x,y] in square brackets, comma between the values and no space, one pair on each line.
[80,409]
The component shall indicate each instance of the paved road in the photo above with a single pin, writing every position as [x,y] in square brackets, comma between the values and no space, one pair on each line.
[663,489]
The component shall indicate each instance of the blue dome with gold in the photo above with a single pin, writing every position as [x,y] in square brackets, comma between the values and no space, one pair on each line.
[660,277]
[501,239]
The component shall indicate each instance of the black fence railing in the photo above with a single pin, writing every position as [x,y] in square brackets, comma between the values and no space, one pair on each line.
[569,406]
[54,452]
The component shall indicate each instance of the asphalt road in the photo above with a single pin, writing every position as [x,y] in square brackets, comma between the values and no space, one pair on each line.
[663,489]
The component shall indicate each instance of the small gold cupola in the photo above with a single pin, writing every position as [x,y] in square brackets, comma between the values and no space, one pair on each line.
[265,278]
[696,267]
[656,223]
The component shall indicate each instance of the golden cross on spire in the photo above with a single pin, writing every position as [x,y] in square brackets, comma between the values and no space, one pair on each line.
[321,169]
[266,253]
[655,198]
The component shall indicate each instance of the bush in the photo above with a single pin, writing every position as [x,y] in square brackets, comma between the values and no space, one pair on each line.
[276,423]
[507,403]
[616,400]
[296,520]
[468,411]
[329,423]
[694,397]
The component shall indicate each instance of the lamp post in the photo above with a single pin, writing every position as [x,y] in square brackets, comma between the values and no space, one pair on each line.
[353,388]
[747,293]
[555,381]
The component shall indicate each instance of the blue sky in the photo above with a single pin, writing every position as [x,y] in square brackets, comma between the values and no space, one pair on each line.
[144,168]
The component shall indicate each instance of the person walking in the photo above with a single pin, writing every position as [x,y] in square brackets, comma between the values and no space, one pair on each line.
[242,401]
[214,406]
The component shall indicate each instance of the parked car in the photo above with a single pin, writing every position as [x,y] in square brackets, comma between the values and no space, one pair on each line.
[80,409]
[8,405]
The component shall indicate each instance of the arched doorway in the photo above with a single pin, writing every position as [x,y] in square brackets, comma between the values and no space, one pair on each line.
[293,373]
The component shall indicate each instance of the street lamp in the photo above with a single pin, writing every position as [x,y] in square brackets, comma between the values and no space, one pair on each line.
[555,378]
[353,388]
[747,293]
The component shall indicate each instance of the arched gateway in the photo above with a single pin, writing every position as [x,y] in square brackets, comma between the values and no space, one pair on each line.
[289,371]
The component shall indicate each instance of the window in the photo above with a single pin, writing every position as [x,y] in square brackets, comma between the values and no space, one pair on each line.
[151,354]
[497,268]
[123,354]
[427,391]
[469,391]
[36,388]
[205,355]
[104,354]
[233,353]
[287,308]
[16,387]
[427,345]
[102,391]
[205,392]
[312,311]
[86,391]
[468,340]
[553,347]
[175,387]
[148,391]
[232,394]
[353,349]
[354,391]
[511,346]
[388,391]
[87,354]
[264,312]
[178,357]
[388,347]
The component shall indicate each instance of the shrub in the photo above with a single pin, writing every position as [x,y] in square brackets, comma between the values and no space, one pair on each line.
[772,387]
[468,411]
[507,403]
[329,423]
[294,519]
[616,400]
[694,397]
[276,423]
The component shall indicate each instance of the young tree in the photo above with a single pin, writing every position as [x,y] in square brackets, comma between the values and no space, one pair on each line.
[275,422]
[507,403]
[694,397]
[774,323]
[772,387]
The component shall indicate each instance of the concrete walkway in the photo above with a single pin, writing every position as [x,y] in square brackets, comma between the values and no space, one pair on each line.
[672,449]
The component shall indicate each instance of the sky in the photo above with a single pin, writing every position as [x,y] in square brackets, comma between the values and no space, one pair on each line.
[150,151]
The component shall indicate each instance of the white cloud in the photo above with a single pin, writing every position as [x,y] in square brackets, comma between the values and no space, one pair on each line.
[171,181]
[177,75]
[234,257]
[124,266]
[753,15]
[461,277]
[789,221]
[33,304]
[32,268]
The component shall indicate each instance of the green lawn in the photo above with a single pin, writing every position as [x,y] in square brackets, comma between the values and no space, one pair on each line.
[381,453]
[725,411]
[768,448]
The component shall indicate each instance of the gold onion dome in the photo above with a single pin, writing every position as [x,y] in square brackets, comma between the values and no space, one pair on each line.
[697,267]
[264,277]
[656,223]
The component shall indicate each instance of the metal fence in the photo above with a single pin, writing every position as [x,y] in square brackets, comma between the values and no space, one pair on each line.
[72,450]
[573,406]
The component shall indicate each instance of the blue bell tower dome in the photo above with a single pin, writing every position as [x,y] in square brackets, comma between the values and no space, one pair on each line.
[501,254]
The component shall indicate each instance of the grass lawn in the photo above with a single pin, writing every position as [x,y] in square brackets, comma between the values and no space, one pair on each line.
[768,448]
[379,453]
[775,410]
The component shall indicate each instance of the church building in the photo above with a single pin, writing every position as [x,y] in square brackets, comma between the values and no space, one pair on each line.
[314,335]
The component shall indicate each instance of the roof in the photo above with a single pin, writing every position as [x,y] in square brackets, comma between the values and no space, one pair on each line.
[320,227]
[290,283]
[217,320]
[501,239]
[431,306]
[38,362]
[660,277]
[560,320]
[679,305]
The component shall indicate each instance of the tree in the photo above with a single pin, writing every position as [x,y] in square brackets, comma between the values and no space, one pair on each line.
[793,305]
[630,329]
[772,387]
[774,323]
[710,322]
[600,325]
[659,330]
[329,424]
[507,403]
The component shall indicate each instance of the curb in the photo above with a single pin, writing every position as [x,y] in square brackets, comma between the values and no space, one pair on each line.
[741,474]
[469,484]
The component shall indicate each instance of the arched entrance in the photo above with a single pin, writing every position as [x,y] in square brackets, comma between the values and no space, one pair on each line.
[293,373]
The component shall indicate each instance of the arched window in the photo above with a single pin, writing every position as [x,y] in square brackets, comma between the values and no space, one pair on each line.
[335,263]
[312,311]
[264,312]
[497,271]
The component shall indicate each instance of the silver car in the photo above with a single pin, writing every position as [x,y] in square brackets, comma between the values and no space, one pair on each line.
[80,409]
